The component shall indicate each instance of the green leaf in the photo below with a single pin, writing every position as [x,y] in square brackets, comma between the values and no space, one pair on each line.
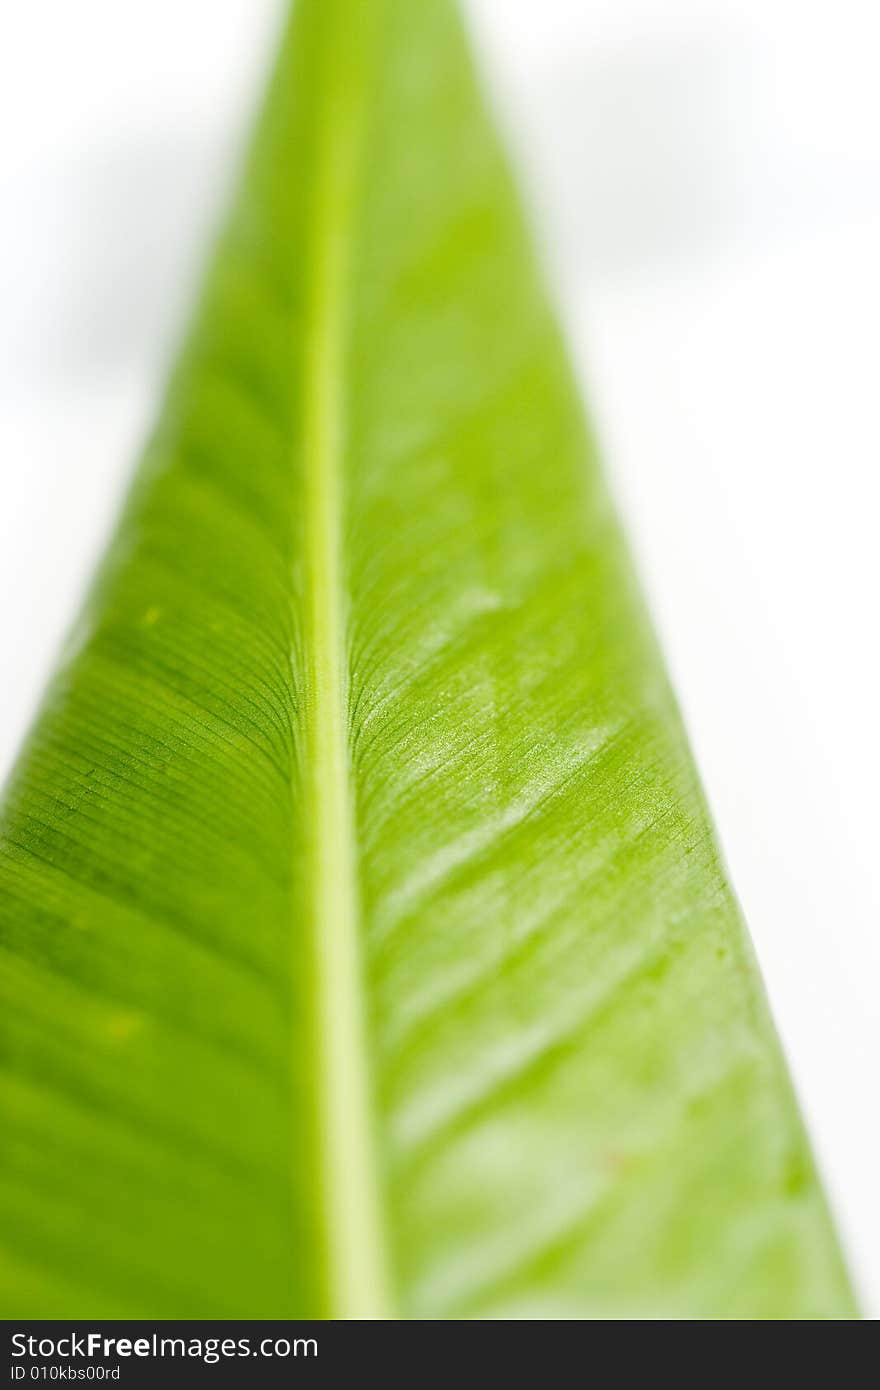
[366,949]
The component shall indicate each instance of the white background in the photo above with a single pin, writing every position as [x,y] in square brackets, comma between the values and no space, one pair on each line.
[706,181]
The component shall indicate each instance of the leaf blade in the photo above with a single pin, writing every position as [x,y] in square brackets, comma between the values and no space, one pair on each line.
[576,1099]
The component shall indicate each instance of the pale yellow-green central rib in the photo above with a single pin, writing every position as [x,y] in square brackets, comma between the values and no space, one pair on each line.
[357,1267]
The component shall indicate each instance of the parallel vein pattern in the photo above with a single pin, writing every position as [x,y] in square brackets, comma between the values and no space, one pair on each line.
[365,948]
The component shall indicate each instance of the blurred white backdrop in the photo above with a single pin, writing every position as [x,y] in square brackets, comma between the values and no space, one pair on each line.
[704,176]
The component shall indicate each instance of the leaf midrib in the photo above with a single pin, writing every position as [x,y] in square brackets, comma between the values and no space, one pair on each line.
[357,1284]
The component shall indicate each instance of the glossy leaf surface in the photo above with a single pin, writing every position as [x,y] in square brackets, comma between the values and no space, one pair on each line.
[366,949]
